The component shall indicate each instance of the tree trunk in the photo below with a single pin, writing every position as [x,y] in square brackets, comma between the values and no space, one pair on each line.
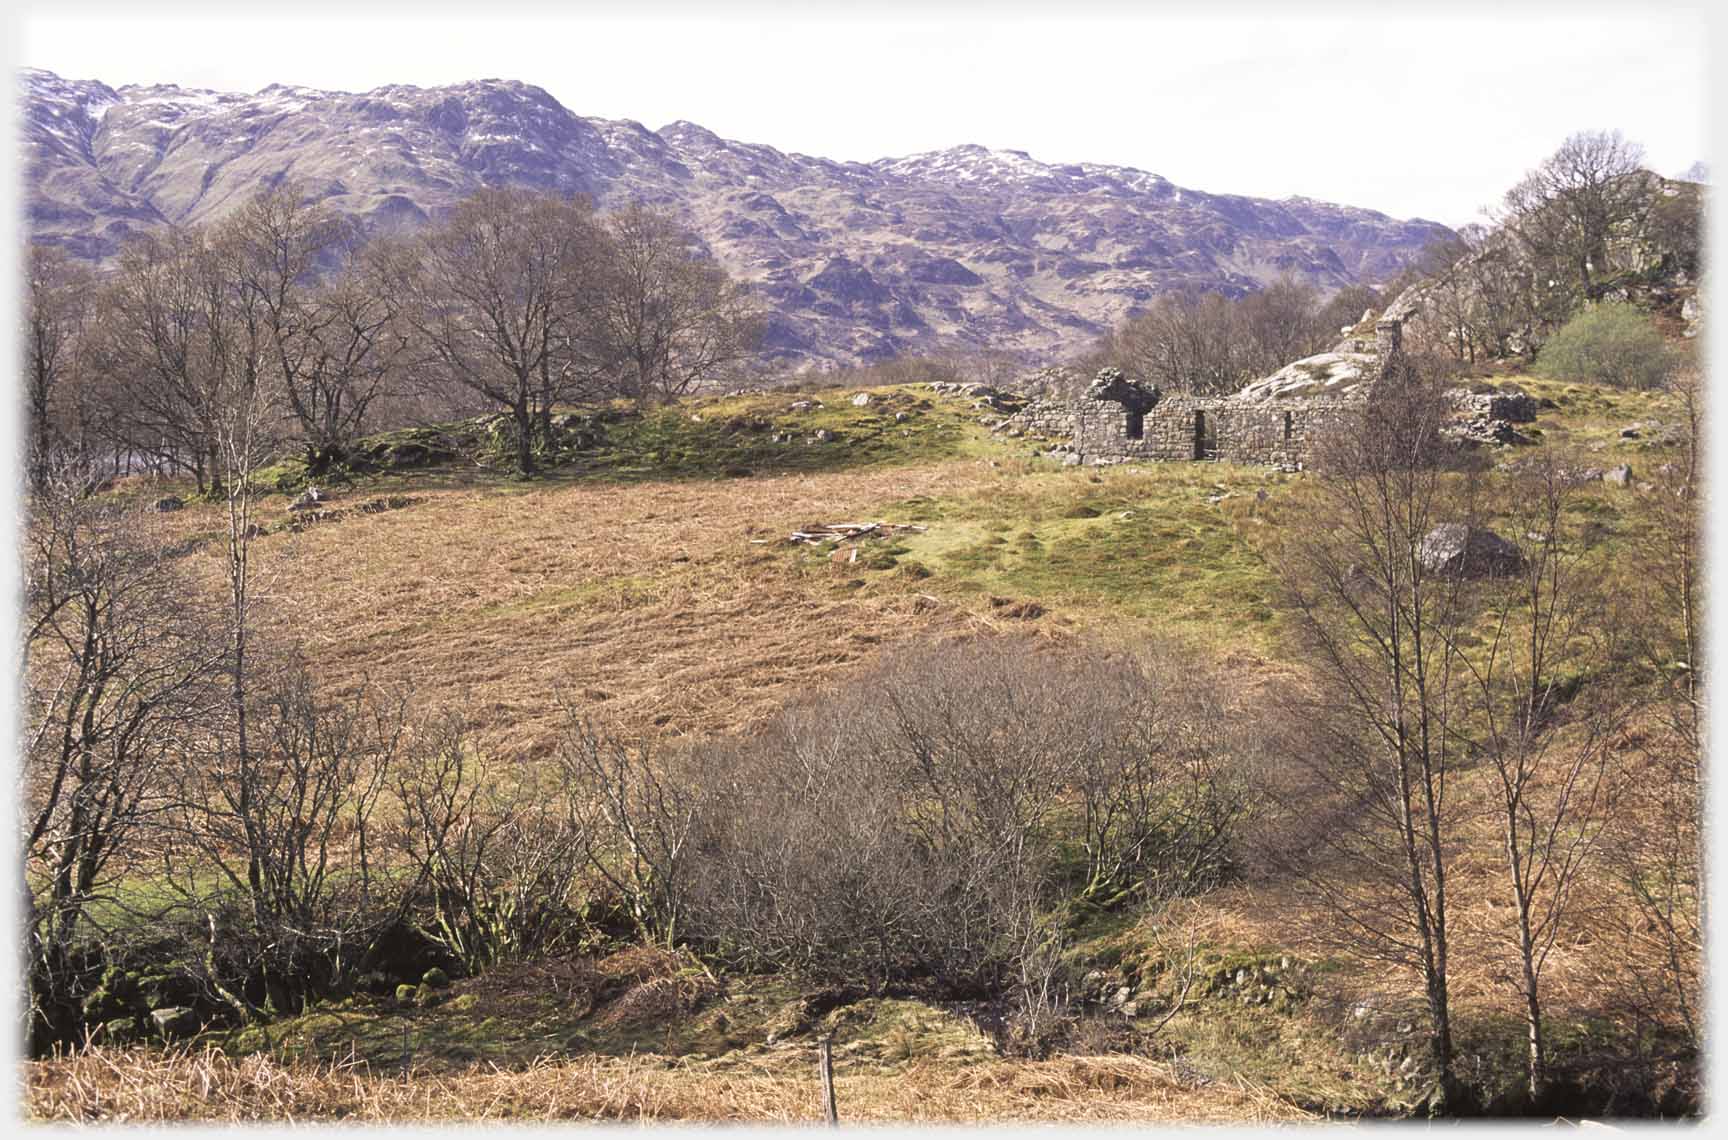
[1538,1061]
[320,458]
[242,742]
[524,439]
[1440,1040]
[546,439]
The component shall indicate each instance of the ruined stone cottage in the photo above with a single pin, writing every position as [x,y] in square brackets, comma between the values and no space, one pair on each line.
[1278,420]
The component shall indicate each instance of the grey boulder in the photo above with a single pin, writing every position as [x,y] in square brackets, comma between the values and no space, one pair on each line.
[1457,550]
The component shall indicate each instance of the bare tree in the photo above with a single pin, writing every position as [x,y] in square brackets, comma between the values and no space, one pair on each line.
[1511,306]
[56,310]
[193,340]
[804,860]
[920,825]
[1280,322]
[158,315]
[329,327]
[1375,741]
[1656,846]
[244,415]
[287,827]
[120,674]
[352,360]
[664,318]
[1158,790]
[493,294]
[1674,581]
[1210,344]
[994,367]
[1676,226]
[1449,320]
[1566,209]
[1345,308]
[1549,746]
[1184,343]
[500,856]
[641,812]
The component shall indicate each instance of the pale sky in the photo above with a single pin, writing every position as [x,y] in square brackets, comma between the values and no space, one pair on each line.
[1414,110]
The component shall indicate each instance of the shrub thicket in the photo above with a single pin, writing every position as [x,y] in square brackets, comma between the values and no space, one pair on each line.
[1608,343]
[935,826]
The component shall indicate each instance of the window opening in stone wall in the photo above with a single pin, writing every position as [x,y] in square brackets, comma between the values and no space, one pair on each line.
[1289,427]
[1136,424]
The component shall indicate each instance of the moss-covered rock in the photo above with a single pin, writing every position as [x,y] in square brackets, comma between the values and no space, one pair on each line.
[168,985]
[117,994]
[175,1022]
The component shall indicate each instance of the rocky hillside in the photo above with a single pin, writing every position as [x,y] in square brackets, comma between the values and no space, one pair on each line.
[958,248]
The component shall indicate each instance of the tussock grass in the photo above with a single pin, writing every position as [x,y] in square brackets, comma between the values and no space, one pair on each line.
[142,1086]
[674,606]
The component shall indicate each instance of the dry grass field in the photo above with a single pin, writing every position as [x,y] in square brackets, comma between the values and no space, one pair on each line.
[140,1086]
[648,606]
[681,607]
[678,606]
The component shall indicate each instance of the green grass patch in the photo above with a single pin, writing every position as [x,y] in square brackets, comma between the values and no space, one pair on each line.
[1173,543]
[1589,418]
[782,431]
[712,437]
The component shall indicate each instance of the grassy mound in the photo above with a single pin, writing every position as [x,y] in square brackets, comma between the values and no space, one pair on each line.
[709,437]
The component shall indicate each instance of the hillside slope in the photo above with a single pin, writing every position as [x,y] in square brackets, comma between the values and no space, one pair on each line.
[668,602]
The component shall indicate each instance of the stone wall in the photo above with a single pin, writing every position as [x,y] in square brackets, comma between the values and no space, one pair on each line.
[1388,338]
[1046,417]
[1282,434]
[1117,421]
[1513,407]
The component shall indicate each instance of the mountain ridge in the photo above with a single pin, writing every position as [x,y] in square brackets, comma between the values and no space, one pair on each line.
[967,247]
